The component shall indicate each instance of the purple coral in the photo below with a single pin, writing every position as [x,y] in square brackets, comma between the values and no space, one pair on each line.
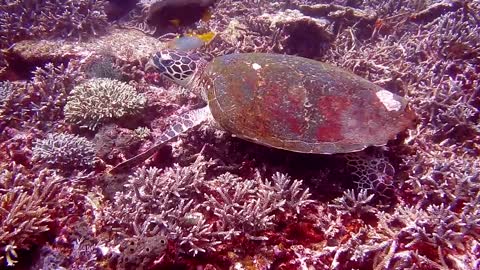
[428,236]
[48,19]
[29,207]
[231,211]
[199,214]
[39,102]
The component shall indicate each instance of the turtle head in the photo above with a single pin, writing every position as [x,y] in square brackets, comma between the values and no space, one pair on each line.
[177,66]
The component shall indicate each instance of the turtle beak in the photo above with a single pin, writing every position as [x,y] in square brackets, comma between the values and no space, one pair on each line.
[150,66]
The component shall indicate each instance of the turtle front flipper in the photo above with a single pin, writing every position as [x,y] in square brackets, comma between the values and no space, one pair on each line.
[187,121]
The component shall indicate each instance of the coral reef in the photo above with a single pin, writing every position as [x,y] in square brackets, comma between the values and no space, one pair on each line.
[104,67]
[433,236]
[50,19]
[39,102]
[198,215]
[31,207]
[5,91]
[207,200]
[100,100]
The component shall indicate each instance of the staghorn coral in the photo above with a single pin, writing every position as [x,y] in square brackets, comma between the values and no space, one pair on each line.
[64,151]
[389,8]
[199,215]
[426,50]
[50,19]
[30,206]
[5,91]
[39,102]
[433,236]
[249,206]
[355,205]
[100,100]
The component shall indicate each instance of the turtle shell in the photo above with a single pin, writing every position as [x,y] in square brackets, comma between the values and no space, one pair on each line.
[301,105]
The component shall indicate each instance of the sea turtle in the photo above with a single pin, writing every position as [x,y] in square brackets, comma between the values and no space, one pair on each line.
[283,101]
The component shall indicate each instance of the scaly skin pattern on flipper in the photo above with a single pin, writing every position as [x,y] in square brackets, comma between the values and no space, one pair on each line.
[185,122]
[301,105]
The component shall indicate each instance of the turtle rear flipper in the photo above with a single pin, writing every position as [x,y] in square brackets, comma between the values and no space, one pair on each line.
[187,121]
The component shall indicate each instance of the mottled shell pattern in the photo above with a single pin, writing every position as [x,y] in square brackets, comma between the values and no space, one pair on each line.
[290,102]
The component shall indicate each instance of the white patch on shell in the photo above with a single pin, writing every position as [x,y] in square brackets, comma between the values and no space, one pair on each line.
[256,66]
[166,56]
[388,100]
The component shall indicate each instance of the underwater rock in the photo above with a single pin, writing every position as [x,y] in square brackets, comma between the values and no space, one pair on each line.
[112,141]
[125,44]
[305,36]
[155,6]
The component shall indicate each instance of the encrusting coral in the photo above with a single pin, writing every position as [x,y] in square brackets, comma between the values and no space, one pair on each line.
[100,100]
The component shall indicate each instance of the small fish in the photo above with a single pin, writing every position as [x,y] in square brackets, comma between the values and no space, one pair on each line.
[190,42]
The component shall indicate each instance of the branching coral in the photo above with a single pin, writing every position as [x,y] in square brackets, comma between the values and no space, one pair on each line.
[199,214]
[223,212]
[47,19]
[249,206]
[39,102]
[29,206]
[389,8]
[64,151]
[101,100]
[6,92]
[434,236]
[354,205]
